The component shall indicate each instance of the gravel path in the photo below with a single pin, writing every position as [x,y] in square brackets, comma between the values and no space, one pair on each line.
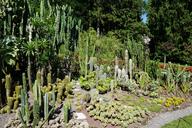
[164,118]
[4,119]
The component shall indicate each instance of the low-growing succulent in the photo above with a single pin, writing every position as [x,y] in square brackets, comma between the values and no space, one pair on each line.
[115,113]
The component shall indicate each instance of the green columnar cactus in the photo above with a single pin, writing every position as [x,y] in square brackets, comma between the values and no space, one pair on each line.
[36,113]
[53,96]
[24,106]
[48,78]
[8,85]
[86,55]
[126,60]
[131,69]
[10,102]
[16,104]
[116,70]
[46,106]
[66,110]
[24,82]
[50,8]
[42,9]
[91,63]
[38,85]
[18,91]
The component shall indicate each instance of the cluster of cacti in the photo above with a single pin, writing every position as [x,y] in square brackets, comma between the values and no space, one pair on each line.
[13,13]
[115,113]
[12,99]
[137,53]
[64,88]
[41,104]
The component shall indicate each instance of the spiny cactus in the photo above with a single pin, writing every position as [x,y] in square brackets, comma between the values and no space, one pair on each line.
[86,55]
[24,106]
[10,102]
[130,69]
[66,110]
[18,91]
[8,85]
[36,113]
[53,97]
[46,106]
[126,60]
[48,78]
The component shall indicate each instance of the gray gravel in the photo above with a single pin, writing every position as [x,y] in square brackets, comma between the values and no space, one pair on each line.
[164,118]
[4,119]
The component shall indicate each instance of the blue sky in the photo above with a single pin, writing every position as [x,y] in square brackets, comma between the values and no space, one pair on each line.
[144,18]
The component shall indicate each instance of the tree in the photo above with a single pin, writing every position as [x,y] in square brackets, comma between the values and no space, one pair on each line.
[122,16]
[170,24]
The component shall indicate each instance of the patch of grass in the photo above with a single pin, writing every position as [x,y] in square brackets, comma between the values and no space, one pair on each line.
[154,107]
[185,122]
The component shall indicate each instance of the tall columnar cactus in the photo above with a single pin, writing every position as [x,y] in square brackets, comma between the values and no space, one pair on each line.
[53,96]
[37,88]
[9,103]
[46,106]
[66,110]
[24,106]
[130,69]
[8,85]
[24,82]
[116,70]
[42,9]
[48,78]
[18,91]
[126,60]
[91,63]
[36,113]
[86,55]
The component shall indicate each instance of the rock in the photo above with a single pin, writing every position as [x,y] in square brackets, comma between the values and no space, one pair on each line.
[20,126]
[84,124]
[80,116]
[52,122]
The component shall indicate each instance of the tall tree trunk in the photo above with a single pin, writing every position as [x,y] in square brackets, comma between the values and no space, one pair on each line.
[29,73]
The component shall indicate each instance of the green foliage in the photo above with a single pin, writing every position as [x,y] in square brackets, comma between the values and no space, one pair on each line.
[103,85]
[123,17]
[169,23]
[104,48]
[88,82]
[152,68]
